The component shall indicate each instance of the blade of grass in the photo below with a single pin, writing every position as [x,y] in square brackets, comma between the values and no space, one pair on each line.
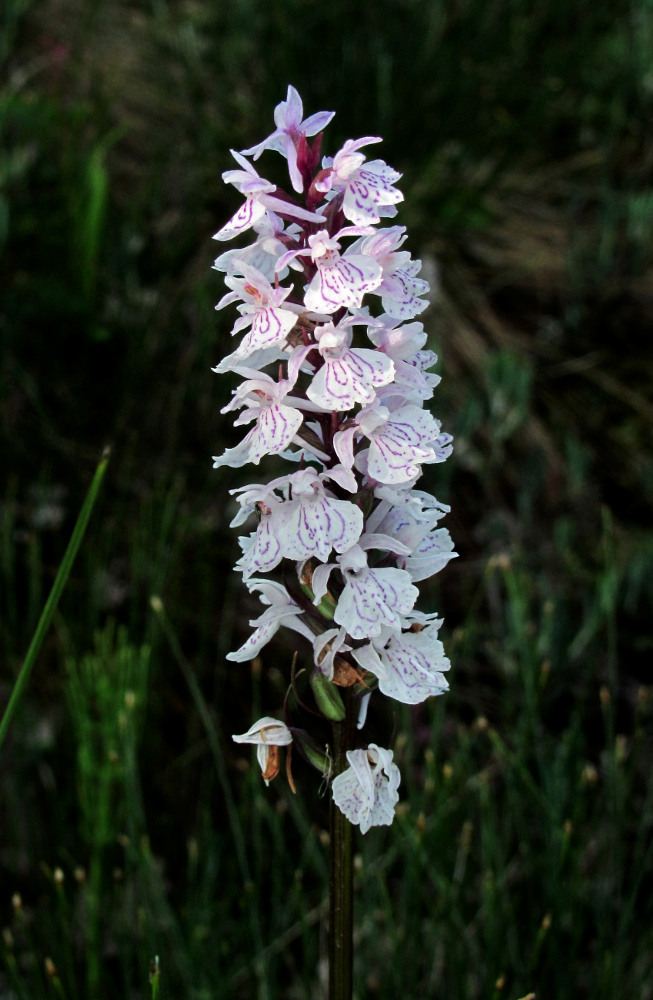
[55,594]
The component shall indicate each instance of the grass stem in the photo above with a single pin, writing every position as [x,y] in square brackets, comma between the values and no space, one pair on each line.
[55,594]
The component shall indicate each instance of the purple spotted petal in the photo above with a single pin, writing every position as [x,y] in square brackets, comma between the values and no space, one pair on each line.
[342,382]
[373,598]
[342,282]
[366,792]
[315,526]
[245,217]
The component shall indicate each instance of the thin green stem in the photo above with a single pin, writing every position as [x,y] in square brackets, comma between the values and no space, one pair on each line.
[55,594]
[341,894]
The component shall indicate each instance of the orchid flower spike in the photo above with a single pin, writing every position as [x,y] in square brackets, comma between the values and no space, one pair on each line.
[334,376]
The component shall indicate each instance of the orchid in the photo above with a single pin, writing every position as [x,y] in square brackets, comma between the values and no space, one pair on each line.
[367,791]
[268,735]
[289,132]
[334,374]
[368,192]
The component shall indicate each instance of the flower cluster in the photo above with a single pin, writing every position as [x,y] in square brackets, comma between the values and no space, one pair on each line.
[335,376]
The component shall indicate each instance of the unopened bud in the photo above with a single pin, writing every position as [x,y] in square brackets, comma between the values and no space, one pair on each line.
[327,697]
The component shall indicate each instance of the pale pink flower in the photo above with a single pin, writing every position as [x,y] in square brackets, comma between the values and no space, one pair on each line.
[431,547]
[260,196]
[290,128]
[368,192]
[404,345]
[276,422]
[263,254]
[309,524]
[400,289]
[410,666]
[400,441]
[371,598]
[282,610]
[262,309]
[348,375]
[366,791]
[339,280]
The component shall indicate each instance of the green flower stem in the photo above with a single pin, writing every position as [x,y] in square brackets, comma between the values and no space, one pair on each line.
[341,896]
[56,592]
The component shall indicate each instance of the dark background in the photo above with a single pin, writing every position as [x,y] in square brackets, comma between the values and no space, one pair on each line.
[523,134]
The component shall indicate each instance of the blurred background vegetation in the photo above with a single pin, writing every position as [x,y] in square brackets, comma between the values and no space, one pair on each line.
[130,825]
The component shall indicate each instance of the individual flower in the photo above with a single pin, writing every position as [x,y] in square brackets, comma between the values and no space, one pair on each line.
[413,382]
[282,610]
[431,547]
[366,792]
[348,375]
[263,254]
[371,597]
[367,189]
[262,309]
[409,665]
[259,197]
[308,523]
[400,441]
[267,735]
[276,422]
[290,129]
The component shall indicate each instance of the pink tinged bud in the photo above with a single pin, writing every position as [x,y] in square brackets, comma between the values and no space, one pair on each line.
[366,792]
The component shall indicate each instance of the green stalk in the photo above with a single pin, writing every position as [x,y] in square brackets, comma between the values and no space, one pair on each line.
[341,895]
[56,592]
